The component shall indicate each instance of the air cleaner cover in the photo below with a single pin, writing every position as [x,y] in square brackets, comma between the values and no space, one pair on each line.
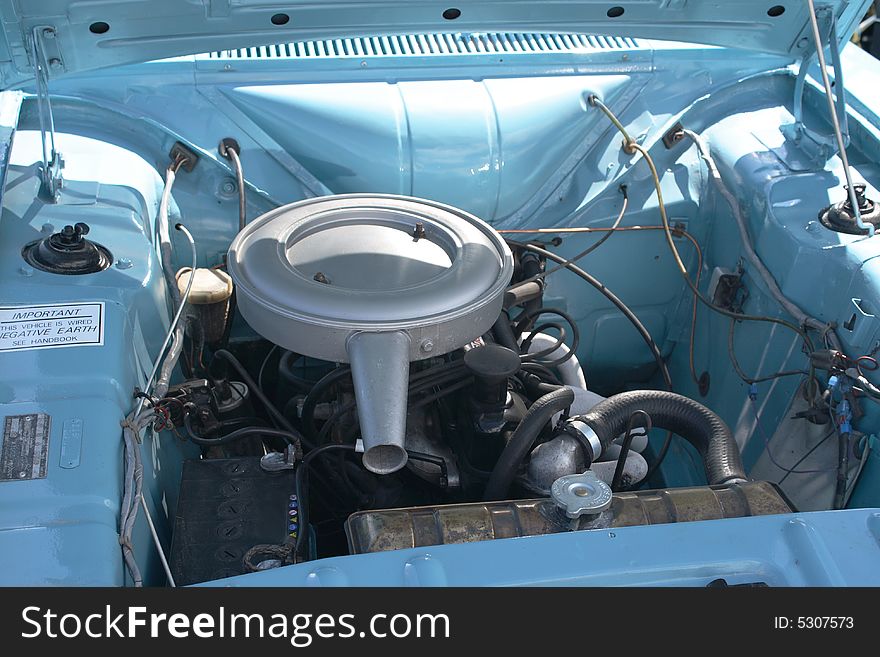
[311,274]
[377,281]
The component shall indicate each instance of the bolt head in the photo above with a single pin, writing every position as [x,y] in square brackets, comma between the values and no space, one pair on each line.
[123,263]
[427,346]
[26,270]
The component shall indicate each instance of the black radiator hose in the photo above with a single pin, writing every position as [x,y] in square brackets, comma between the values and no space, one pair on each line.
[523,439]
[689,419]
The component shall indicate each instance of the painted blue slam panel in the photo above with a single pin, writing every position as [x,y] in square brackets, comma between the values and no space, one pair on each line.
[837,548]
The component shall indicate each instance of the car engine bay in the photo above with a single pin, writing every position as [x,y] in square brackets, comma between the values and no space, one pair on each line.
[349,366]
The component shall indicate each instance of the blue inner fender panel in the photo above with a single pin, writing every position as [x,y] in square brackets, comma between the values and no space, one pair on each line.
[62,528]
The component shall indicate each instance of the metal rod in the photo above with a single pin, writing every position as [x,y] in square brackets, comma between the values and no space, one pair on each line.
[159,548]
[835,121]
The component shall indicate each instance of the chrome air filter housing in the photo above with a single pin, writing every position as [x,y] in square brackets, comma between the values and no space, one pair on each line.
[375,280]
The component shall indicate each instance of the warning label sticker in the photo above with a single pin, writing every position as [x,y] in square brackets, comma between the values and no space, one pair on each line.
[46,327]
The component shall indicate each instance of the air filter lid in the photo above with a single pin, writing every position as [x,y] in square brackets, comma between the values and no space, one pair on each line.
[368,263]
[374,280]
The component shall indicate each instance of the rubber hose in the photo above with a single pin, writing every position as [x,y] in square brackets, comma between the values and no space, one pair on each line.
[522,293]
[531,267]
[523,439]
[701,427]
[503,333]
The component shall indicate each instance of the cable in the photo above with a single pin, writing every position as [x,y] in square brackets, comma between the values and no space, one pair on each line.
[310,403]
[174,321]
[223,354]
[773,460]
[263,365]
[683,270]
[742,375]
[333,419]
[523,320]
[238,434]
[617,228]
[627,441]
[608,233]
[232,153]
[443,392]
[630,146]
[287,372]
[613,298]
[162,221]
[793,470]
[751,255]
[302,490]
[627,140]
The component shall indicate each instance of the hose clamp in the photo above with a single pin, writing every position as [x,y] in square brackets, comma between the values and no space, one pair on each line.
[586,434]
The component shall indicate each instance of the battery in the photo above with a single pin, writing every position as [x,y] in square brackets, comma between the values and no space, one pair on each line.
[226,507]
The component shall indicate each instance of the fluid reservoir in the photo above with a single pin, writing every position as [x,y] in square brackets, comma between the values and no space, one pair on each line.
[208,299]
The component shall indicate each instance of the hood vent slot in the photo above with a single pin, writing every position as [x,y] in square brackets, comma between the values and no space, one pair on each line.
[421,45]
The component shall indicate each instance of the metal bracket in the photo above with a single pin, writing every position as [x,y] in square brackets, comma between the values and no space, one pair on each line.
[46,56]
[819,147]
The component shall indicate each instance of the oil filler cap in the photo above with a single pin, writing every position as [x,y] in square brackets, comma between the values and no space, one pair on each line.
[581,494]
[68,252]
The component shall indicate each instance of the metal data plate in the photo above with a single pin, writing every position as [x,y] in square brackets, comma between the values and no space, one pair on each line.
[25,450]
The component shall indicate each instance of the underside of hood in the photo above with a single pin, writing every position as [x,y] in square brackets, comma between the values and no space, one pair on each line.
[79,35]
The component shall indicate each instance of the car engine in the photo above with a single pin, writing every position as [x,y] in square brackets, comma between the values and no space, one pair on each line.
[408,360]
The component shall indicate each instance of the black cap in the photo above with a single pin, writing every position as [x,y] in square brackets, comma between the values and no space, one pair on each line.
[492,362]
[68,252]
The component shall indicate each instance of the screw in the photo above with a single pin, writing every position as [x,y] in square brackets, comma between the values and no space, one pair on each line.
[320,278]
[228,187]
[123,263]
[26,270]
[427,346]
[55,63]
[48,33]
[418,231]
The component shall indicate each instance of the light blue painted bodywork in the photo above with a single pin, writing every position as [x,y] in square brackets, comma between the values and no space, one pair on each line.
[814,549]
[139,30]
[509,137]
